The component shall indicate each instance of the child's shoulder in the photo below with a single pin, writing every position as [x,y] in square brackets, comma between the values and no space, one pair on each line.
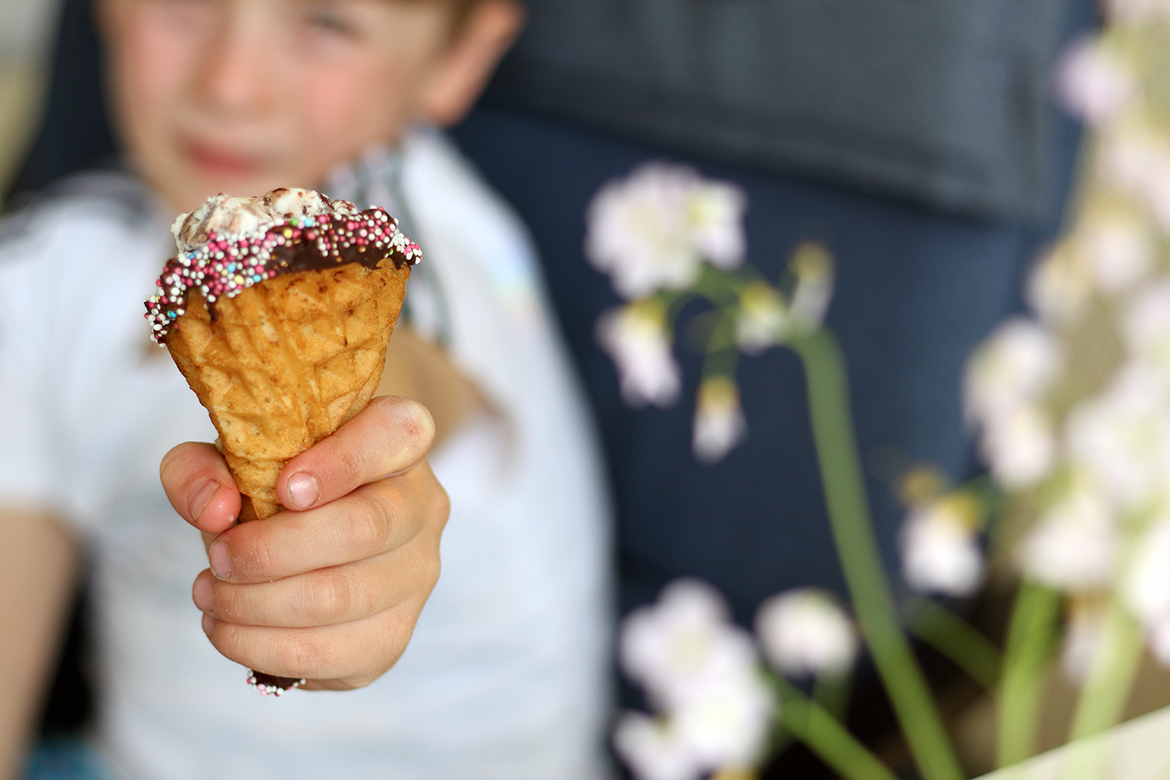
[459,212]
[83,233]
[107,200]
[438,174]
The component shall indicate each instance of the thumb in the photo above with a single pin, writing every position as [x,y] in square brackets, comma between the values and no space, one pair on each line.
[200,487]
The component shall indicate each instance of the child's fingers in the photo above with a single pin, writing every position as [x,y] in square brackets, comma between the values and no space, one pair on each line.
[346,655]
[338,594]
[200,487]
[388,437]
[374,519]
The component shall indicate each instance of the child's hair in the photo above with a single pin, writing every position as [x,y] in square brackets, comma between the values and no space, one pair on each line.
[460,11]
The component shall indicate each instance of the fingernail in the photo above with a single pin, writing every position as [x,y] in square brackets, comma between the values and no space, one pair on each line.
[303,490]
[201,594]
[201,497]
[221,562]
[208,625]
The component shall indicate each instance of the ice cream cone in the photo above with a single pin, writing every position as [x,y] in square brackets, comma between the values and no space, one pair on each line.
[278,311]
[285,364]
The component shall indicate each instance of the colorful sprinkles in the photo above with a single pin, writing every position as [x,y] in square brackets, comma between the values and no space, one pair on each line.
[227,264]
[271,685]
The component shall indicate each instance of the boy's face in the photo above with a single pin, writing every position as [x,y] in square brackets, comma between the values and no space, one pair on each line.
[242,96]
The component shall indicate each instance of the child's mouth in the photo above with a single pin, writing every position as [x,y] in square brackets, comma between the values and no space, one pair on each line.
[215,163]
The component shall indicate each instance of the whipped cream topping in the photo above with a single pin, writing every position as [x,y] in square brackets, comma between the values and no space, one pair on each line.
[229,244]
[225,215]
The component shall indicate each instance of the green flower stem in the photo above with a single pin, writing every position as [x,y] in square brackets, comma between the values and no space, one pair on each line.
[1029,643]
[832,423]
[833,692]
[719,287]
[673,304]
[1104,694]
[966,647]
[1111,675]
[812,724]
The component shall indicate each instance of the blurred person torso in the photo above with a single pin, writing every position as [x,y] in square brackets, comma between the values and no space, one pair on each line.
[505,676]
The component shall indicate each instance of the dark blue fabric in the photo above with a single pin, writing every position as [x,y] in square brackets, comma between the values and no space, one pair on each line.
[916,292]
[942,102]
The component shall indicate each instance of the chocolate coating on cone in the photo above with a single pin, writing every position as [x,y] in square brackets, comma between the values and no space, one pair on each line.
[271,685]
[224,264]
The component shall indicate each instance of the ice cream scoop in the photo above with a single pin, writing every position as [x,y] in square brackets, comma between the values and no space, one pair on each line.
[229,244]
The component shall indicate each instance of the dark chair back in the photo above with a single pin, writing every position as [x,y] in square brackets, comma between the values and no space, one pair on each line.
[75,131]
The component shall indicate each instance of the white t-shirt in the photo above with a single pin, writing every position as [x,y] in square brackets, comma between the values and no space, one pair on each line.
[506,676]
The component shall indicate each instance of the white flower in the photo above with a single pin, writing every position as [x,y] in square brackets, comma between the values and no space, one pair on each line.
[1019,446]
[1082,640]
[1158,193]
[702,670]
[940,552]
[1127,154]
[1093,82]
[1073,546]
[714,222]
[762,318]
[1014,366]
[654,750]
[682,642]
[1145,326]
[653,229]
[725,721]
[1119,250]
[1158,638]
[1138,12]
[1059,286]
[635,336]
[719,423]
[806,632]
[813,267]
[1137,160]
[1145,586]
[1005,379]
[1122,436]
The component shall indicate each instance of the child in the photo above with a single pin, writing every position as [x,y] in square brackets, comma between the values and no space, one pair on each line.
[505,674]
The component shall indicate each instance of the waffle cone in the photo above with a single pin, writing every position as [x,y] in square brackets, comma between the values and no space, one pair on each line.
[285,363]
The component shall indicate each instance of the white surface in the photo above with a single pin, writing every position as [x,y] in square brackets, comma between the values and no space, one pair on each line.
[1137,750]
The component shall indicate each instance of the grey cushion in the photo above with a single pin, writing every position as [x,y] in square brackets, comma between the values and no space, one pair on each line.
[941,101]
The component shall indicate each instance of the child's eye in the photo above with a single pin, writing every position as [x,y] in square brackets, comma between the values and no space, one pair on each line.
[181,5]
[329,20]
[180,14]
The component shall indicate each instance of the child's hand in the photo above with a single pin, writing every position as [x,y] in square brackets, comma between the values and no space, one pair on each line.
[331,590]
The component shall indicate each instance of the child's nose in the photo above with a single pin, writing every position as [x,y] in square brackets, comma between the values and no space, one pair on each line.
[235,73]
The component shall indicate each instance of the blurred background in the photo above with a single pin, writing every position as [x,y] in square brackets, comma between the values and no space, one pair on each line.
[24,51]
[920,143]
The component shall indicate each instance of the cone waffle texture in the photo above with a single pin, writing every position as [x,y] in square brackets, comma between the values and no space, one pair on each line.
[286,363]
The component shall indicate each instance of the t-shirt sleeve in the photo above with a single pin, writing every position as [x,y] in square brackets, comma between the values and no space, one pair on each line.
[27,476]
[83,416]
